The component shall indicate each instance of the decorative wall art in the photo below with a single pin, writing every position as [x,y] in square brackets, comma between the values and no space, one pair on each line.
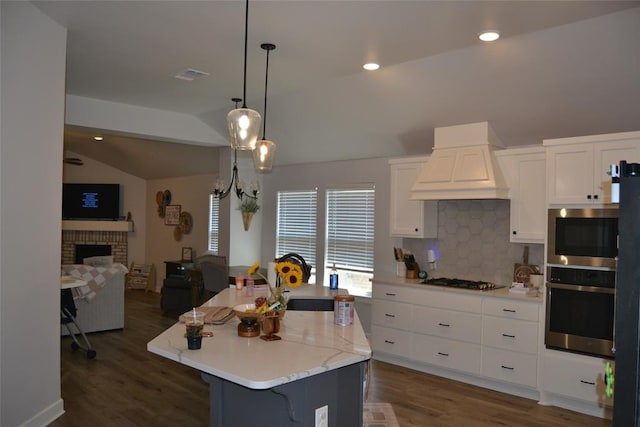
[172,215]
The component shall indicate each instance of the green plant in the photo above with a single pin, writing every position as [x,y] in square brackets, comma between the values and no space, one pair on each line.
[249,205]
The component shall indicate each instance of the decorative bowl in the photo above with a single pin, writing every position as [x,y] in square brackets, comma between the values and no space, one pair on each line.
[242,314]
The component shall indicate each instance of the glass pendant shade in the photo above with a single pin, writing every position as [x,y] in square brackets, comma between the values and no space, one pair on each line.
[244,127]
[263,156]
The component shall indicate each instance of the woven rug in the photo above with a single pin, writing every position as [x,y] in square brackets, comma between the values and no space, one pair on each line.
[379,415]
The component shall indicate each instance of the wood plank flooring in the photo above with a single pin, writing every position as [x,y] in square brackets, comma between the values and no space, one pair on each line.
[127,386]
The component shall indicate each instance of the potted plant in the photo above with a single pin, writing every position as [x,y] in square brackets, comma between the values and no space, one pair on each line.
[248,207]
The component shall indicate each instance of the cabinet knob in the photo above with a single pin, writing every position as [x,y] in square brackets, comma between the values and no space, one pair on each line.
[514,232]
[416,230]
[589,196]
[595,196]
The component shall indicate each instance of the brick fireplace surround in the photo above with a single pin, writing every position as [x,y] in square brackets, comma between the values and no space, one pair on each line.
[116,239]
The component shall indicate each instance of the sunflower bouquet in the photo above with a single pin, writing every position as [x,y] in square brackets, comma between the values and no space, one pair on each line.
[287,274]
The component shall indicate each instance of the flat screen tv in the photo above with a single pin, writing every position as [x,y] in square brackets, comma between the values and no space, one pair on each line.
[91,201]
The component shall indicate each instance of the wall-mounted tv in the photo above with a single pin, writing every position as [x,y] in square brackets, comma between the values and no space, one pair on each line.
[91,201]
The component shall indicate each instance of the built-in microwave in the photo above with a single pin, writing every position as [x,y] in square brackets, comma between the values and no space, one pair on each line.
[583,237]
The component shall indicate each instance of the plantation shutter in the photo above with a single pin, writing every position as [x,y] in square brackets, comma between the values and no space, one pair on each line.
[214,223]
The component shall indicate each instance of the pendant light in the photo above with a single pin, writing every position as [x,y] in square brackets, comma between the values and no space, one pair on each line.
[236,184]
[244,123]
[265,150]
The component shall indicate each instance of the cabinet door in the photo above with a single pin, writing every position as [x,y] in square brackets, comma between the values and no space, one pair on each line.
[509,366]
[606,154]
[391,341]
[451,354]
[575,376]
[410,218]
[392,314]
[528,207]
[570,174]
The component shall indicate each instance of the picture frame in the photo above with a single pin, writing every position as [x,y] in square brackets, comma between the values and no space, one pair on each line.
[187,254]
[172,215]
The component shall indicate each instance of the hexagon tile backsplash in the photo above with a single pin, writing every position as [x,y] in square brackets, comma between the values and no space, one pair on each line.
[473,242]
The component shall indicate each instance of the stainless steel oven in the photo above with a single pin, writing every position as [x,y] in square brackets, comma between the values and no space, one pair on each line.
[580,310]
[583,237]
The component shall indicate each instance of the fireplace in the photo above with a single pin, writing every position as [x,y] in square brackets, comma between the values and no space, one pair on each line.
[85,251]
[93,243]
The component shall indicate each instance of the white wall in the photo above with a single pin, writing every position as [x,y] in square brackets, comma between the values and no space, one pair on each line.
[133,197]
[192,194]
[32,82]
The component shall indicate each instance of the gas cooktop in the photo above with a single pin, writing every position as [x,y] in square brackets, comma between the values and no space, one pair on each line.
[461,283]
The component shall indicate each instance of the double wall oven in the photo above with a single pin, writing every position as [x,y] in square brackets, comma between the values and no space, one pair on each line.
[582,250]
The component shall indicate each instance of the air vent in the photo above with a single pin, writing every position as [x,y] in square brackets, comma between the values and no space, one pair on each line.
[190,74]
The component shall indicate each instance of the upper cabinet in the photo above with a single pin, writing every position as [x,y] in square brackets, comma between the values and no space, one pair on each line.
[524,173]
[577,168]
[410,218]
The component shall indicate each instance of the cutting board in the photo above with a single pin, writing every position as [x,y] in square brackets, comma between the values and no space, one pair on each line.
[522,271]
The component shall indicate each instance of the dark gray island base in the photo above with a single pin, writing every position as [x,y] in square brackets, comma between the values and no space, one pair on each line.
[290,404]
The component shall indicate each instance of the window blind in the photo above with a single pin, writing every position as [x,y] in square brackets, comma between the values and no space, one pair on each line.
[350,229]
[214,223]
[296,224]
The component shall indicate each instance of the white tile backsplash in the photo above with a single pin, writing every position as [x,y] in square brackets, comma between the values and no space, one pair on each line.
[473,242]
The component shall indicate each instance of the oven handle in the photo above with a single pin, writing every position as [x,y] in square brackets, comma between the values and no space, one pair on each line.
[580,288]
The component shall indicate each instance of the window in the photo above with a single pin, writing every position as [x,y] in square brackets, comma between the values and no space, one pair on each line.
[296,227]
[214,223]
[350,237]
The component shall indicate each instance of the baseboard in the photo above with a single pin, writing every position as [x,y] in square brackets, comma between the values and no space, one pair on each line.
[46,416]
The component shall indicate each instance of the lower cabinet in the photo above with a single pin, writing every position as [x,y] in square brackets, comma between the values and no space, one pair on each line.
[479,338]
[575,376]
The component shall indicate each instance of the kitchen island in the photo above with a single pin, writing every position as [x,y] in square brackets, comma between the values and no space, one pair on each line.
[256,382]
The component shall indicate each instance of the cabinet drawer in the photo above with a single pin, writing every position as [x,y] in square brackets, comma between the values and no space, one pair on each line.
[392,314]
[511,309]
[575,376]
[448,324]
[508,334]
[448,300]
[393,292]
[391,341]
[509,366]
[457,355]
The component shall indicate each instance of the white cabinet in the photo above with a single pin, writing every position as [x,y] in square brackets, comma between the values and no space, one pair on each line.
[410,218]
[575,376]
[577,168]
[510,330]
[524,173]
[485,336]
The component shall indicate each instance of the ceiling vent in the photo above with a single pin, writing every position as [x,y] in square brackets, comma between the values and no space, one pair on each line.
[462,166]
[190,74]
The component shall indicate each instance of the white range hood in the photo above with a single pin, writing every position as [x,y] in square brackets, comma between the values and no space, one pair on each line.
[462,166]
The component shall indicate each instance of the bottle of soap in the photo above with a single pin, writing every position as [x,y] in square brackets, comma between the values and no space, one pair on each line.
[333,278]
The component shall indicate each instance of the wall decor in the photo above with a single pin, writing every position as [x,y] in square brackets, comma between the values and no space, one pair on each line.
[177,233]
[172,215]
[186,222]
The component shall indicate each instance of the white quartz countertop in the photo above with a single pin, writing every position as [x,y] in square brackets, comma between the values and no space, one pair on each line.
[311,344]
[501,292]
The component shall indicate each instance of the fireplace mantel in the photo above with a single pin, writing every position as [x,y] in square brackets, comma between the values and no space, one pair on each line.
[124,226]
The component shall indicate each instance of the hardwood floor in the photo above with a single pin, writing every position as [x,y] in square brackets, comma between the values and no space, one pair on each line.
[125,385]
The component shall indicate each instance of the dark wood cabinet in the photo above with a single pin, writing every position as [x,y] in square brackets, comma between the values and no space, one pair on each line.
[177,268]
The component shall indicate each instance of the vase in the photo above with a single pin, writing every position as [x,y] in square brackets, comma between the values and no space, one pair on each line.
[246,219]
[270,325]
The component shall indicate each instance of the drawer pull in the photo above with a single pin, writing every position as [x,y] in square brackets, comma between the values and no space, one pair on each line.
[506,367]
[389,294]
[443,354]
[587,382]
[508,336]
[389,342]
[444,324]
[390,315]
[508,310]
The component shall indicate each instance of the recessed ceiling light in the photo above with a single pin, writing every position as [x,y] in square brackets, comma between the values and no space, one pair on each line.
[489,36]
[190,74]
[371,66]
[98,138]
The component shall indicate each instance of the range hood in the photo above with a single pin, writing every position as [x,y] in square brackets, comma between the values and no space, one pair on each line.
[462,166]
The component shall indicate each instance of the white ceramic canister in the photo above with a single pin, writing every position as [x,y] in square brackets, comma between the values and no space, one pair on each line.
[343,306]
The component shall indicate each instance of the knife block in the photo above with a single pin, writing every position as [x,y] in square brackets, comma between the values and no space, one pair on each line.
[413,272]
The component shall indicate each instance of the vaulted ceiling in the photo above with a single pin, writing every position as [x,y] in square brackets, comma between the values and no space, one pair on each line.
[560,68]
